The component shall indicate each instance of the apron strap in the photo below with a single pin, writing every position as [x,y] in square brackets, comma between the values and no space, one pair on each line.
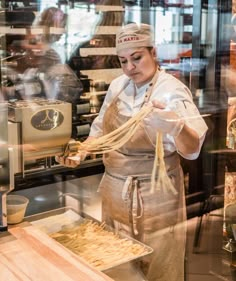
[130,193]
[126,188]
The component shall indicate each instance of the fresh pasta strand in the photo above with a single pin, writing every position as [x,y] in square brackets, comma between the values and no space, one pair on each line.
[98,246]
[163,181]
[117,138]
[155,164]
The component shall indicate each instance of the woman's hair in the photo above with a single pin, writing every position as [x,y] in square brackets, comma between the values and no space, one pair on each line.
[51,17]
[150,50]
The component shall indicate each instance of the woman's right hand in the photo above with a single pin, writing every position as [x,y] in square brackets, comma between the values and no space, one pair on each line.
[75,160]
[72,161]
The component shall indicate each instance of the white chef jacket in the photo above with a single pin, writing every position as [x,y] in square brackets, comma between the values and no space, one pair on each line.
[168,90]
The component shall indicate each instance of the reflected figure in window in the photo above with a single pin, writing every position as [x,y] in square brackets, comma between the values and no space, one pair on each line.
[41,72]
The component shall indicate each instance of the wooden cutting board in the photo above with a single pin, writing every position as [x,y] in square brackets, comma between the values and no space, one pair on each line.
[29,254]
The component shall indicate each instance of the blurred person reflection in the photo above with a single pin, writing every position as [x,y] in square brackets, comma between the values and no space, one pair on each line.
[41,70]
[47,29]
[111,18]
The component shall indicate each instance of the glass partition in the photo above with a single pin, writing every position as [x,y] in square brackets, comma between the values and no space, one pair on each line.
[58,59]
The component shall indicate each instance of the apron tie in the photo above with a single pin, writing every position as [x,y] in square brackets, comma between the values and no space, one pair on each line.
[126,189]
[134,200]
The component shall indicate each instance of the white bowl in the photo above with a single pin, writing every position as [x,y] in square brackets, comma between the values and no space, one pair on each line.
[16,207]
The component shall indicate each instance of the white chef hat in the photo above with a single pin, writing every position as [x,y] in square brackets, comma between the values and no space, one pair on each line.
[134,35]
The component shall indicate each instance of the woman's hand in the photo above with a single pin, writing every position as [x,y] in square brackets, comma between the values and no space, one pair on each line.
[72,161]
[75,160]
[164,120]
[167,121]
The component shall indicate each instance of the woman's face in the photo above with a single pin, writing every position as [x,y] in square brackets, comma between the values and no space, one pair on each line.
[139,64]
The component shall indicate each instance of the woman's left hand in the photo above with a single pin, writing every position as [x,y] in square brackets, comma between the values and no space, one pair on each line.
[164,120]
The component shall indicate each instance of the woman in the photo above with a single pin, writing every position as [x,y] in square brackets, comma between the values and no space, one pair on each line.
[45,67]
[38,56]
[156,219]
[53,22]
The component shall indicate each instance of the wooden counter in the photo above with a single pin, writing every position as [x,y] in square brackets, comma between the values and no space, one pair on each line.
[28,254]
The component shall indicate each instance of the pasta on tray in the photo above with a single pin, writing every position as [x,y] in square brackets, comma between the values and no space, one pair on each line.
[101,248]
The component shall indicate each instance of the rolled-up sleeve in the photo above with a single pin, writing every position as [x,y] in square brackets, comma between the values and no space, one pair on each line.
[180,101]
[187,110]
[193,119]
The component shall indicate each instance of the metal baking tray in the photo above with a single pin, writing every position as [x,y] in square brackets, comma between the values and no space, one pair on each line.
[64,218]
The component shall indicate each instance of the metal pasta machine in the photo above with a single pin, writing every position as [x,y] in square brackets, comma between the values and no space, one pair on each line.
[39,129]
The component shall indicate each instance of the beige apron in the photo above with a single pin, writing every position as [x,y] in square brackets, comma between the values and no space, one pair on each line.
[158,219]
